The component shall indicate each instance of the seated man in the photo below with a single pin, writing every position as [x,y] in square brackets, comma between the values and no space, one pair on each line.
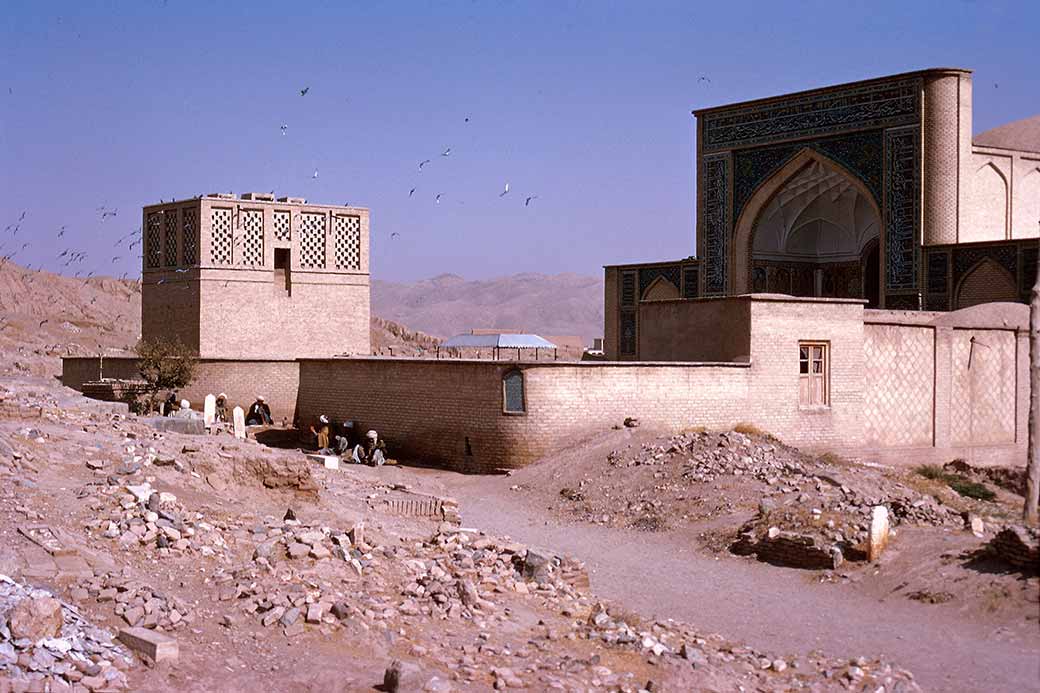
[322,434]
[221,414]
[372,452]
[259,414]
[185,411]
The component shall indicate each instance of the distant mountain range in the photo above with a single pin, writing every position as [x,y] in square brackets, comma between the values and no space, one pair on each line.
[446,305]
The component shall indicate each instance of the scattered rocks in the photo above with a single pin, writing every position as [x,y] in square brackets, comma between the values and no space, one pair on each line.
[46,645]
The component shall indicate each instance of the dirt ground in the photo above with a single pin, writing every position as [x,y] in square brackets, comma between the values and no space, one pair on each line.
[190,536]
[933,601]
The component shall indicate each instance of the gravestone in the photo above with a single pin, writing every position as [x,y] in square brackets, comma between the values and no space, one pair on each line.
[240,423]
[209,410]
[878,532]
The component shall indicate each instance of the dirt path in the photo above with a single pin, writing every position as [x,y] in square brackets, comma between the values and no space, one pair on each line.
[771,608]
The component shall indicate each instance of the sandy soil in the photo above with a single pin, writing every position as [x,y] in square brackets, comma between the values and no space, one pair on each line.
[958,622]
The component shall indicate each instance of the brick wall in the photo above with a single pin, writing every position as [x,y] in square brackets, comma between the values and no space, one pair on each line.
[428,410]
[242,381]
[715,329]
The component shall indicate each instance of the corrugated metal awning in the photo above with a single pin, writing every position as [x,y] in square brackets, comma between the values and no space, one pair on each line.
[502,341]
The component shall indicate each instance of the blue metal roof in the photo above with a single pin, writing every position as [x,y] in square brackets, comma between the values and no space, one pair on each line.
[503,341]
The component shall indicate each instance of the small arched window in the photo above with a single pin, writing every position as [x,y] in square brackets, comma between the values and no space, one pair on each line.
[513,392]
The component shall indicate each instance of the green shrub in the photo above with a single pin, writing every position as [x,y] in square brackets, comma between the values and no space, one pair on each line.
[971,489]
[931,471]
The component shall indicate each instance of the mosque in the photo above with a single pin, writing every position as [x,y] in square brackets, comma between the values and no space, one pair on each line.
[874,190]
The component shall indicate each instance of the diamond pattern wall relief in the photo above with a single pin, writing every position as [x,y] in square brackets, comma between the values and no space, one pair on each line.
[152,240]
[191,236]
[282,226]
[221,236]
[897,404]
[253,237]
[171,237]
[982,410]
[312,241]
[348,242]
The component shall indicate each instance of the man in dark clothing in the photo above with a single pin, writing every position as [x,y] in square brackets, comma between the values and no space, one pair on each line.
[221,413]
[259,414]
[371,452]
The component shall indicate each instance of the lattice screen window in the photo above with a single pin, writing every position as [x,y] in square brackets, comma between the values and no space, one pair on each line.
[628,288]
[513,393]
[282,226]
[348,242]
[191,236]
[312,241]
[253,237]
[152,240]
[171,237]
[627,341]
[221,236]
[813,374]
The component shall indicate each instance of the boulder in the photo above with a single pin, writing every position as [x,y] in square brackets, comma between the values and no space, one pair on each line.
[36,618]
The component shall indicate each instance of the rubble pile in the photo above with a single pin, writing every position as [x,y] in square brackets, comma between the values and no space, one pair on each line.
[710,654]
[135,602]
[143,516]
[696,475]
[46,645]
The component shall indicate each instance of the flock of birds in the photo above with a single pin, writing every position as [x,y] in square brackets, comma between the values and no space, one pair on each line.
[284,128]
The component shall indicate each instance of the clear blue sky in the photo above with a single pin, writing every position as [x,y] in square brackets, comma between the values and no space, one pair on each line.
[584,104]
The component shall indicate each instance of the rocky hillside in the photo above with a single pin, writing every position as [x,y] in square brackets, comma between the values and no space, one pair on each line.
[44,316]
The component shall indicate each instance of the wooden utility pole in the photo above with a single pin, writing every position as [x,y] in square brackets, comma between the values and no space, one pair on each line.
[1029,514]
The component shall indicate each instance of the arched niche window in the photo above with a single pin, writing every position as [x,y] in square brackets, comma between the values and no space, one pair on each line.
[513,401]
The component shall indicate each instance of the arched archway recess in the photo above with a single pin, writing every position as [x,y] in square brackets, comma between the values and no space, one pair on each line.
[986,282]
[813,212]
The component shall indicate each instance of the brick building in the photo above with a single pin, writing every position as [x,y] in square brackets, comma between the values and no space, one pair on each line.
[874,190]
[861,264]
[253,277]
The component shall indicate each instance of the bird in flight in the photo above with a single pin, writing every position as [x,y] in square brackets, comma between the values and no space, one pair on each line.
[44,322]
[411,192]
[702,78]
[61,232]
[315,173]
[505,191]
[423,163]
[446,152]
[527,202]
[437,200]
[395,234]
[284,128]
[303,92]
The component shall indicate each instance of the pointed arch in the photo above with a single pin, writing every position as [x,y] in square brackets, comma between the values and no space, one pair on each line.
[660,289]
[989,213]
[745,227]
[1025,215]
[985,282]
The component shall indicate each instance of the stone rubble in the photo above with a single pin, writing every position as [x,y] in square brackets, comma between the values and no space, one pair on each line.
[61,651]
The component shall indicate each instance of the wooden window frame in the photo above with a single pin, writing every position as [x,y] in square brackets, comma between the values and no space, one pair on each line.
[523,393]
[807,374]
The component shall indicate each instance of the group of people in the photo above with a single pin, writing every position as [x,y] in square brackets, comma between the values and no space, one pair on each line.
[370,451]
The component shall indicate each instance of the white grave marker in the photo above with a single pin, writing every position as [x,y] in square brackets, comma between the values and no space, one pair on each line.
[209,411]
[240,423]
[878,533]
